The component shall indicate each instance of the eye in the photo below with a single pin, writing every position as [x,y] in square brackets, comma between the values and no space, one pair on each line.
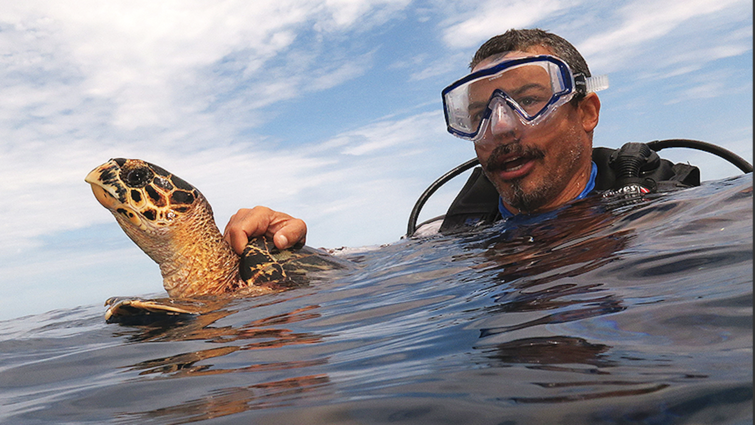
[532,104]
[136,177]
[476,115]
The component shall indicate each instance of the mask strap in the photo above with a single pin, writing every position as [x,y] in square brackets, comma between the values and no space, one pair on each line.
[584,85]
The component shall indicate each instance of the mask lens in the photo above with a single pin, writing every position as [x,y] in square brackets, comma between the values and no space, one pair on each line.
[528,87]
[531,86]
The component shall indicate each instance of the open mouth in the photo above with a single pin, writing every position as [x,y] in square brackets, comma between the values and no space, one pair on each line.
[513,161]
[514,164]
[513,167]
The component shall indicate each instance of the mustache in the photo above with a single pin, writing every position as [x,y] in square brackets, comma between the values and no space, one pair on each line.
[503,153]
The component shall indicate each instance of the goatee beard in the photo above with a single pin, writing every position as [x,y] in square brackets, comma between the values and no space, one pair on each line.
[515,195]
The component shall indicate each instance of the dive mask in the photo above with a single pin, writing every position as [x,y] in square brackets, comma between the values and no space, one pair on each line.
[525,89]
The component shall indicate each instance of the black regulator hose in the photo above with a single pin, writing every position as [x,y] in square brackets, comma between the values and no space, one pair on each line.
[412,226]
[726,154]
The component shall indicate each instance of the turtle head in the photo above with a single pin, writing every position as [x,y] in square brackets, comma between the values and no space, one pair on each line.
[142,195]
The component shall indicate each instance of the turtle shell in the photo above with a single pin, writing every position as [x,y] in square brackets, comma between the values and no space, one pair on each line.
[262,263]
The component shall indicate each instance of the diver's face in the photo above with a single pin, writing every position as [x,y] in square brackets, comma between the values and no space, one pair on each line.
[536,168]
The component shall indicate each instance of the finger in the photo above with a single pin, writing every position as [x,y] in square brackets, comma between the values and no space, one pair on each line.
[229,231]
[292,232]
[246,223]
[253,222]
[228,227]
[238,241]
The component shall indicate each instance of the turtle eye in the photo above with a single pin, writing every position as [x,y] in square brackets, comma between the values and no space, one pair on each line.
[136,177]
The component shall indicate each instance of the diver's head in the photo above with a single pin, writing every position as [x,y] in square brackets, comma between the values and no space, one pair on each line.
[531,117]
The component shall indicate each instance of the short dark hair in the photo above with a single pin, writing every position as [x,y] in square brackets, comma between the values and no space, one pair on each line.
[521,40]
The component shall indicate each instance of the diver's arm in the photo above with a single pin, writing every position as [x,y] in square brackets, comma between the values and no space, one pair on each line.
[286,231]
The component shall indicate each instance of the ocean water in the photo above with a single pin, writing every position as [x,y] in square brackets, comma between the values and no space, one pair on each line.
[609,313]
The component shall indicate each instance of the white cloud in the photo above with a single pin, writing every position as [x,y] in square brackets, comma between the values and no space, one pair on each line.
[384,135]
[143,58]
[345,13]
[137,55]
[494,17]
[444,66]
[372,174]
[341,74]
[649,24]
[707,85]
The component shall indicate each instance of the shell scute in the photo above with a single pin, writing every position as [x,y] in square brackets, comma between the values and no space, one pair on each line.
[257,266]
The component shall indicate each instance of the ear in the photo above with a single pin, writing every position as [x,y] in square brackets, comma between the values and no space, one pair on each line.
[589,112]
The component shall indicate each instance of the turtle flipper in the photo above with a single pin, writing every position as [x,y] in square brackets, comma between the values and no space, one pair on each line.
[258,266]
[135,311]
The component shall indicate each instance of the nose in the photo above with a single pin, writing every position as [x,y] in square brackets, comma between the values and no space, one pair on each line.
[502,120]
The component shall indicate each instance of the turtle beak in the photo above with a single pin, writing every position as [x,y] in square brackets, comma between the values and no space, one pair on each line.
[110,192]
[93,177]
[103,180]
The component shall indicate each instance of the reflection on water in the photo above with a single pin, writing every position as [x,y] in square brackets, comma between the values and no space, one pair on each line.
[635,313]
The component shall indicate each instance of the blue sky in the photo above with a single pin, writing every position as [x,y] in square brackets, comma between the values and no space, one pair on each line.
[326,109]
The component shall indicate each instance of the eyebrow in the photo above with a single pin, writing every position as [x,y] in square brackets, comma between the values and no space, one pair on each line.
[526,87]
[516,92]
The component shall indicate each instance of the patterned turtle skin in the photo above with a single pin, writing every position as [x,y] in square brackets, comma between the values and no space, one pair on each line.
[172,222]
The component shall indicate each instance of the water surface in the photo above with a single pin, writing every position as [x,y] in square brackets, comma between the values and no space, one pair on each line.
[609,313]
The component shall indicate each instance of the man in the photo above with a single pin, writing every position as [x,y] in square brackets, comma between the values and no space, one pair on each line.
[529,105]
[526,107]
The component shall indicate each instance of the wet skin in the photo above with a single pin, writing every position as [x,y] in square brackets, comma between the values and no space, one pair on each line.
[537,169]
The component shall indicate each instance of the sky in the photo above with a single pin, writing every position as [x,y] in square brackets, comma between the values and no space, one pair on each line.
[328,110]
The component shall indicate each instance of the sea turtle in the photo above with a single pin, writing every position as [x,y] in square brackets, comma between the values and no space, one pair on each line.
[172,222]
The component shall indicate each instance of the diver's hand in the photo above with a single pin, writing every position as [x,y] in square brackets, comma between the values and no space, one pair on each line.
[286,231]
